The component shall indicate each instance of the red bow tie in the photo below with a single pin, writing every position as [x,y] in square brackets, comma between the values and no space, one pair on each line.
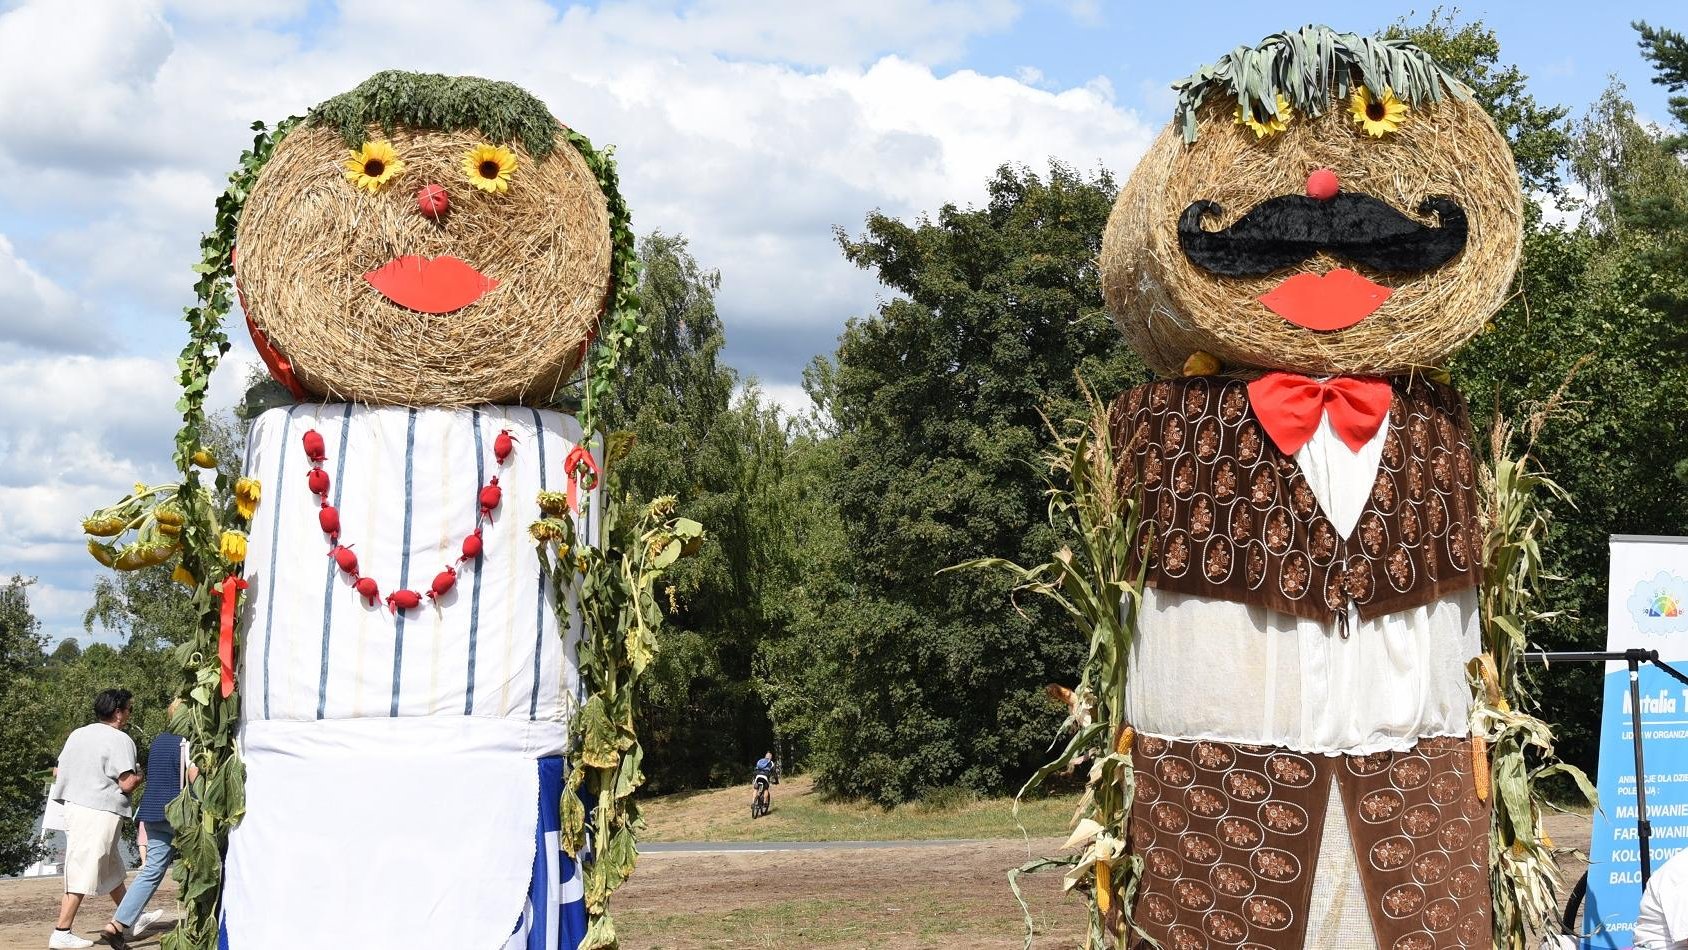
[1289,406]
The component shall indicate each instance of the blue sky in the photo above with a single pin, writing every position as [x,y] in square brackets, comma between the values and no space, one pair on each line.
[752,128]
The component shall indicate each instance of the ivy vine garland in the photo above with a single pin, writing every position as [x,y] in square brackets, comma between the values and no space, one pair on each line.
[194,523]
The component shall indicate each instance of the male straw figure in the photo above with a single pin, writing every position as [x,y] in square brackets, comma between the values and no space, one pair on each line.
[1300,259]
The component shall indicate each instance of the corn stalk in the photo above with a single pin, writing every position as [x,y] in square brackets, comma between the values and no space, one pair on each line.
[1525,878]
[1099,585]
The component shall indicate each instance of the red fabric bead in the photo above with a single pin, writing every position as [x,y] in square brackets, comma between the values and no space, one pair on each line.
[369,589]
[329,518]
[314,449]
[318,480]
[347,559]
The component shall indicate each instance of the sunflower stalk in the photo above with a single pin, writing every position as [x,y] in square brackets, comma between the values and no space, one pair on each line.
[1099,585]
[1516,495]
[615,579]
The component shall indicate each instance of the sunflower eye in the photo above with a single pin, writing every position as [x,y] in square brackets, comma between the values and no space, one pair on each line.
[1271,124]
[1377,115]
[489,168]
[373,165]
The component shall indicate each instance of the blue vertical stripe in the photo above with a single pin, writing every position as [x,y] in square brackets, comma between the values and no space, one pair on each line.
[539,612]
[475,599]
[275,549]
[404,562]
[328,584]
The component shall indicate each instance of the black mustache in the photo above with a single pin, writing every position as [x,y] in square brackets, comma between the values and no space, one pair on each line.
[1284,231]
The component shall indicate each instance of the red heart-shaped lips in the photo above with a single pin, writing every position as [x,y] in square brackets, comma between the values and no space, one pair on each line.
[437,285]
[1330,301]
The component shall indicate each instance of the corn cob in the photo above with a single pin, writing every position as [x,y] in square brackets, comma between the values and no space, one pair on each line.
[1480,766]
[1122,742]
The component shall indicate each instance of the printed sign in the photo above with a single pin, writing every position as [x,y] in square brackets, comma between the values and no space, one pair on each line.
[1647,608]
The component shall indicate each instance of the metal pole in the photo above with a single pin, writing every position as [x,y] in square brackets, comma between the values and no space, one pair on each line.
[1644,828]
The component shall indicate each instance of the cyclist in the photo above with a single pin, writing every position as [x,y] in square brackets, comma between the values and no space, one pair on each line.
[766,774]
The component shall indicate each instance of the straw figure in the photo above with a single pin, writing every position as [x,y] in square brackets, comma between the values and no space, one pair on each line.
[1327,219]
[423,262]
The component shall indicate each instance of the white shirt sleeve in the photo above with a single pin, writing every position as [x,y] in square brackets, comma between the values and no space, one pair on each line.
[1662,923]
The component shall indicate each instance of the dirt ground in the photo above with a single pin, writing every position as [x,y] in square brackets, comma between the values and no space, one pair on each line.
[892,898]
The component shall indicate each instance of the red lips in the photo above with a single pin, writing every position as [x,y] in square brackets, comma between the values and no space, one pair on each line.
[430,285]
[1333,300]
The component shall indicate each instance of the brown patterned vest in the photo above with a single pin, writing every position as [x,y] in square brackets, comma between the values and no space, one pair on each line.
[1230,517]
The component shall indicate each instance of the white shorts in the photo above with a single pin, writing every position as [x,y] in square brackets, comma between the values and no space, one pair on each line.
[92,864]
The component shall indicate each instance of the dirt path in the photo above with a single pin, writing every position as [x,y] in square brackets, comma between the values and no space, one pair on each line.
[897,898]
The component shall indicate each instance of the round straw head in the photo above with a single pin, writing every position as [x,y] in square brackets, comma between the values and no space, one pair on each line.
[426,266]
[1170,306]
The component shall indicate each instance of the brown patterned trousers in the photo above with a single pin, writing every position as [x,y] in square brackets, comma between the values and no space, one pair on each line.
[1229,836]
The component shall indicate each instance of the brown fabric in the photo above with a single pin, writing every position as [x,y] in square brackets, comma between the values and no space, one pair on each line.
[1422,839]
[1229,836]
[1230,517]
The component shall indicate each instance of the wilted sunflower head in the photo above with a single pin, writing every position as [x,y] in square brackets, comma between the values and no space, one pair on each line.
[1322,203]
[426,240]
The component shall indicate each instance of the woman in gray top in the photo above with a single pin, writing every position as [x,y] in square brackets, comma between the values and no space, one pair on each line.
[97,771]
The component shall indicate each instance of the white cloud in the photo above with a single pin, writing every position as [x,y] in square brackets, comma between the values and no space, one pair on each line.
[38,314]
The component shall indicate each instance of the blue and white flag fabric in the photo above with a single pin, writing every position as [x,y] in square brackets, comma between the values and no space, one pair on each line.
[555,916]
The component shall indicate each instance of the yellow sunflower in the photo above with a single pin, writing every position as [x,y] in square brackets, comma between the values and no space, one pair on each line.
[232,545]
[247,491]
[489,167]
[1377,115]
[373,165]
[184,577]
[1273,124]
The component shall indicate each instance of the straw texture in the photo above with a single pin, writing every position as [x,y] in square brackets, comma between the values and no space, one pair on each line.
[307,236]
[1168,308]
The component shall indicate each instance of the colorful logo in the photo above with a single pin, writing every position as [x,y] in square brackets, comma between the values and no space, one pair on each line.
[1660,605]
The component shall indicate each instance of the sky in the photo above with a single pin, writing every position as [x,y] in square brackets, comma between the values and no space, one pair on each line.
[754,129]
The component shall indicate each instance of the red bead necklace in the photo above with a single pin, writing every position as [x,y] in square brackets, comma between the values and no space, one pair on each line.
[487,500]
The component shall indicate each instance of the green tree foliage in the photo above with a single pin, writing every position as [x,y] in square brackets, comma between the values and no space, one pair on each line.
[1608,293]
[1667,50]
[23,758]
[1471,51]
[704,719]
[918,681]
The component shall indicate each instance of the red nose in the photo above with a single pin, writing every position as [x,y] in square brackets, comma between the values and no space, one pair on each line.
[1322,185]
[432,201]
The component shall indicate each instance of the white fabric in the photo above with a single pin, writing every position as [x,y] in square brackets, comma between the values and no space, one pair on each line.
[91,862]
[1662,923]
[1341,478]
[1337,915]
[1210,669]
[413,831]
[313,649]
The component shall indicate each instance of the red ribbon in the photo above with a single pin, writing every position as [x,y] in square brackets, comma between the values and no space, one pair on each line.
[579,456]
[231,588]
[1289,407]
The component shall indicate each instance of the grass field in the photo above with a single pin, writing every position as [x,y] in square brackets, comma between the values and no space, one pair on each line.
[802,814]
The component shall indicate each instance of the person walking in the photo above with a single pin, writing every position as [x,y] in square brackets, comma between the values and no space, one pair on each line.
[97,771]
[169,768]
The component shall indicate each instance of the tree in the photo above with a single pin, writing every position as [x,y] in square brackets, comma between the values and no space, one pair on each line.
[703,716]
[1667,50]
[936,402]
[23,760]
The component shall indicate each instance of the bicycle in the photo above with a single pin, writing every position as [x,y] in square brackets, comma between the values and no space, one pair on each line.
[762,802]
